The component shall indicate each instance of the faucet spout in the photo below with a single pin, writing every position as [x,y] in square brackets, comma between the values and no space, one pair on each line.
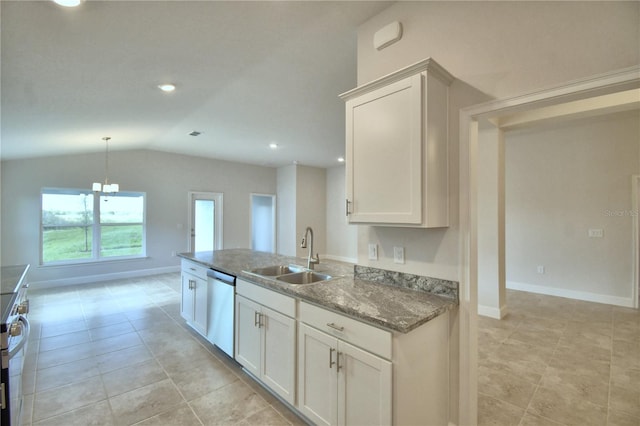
[308,236]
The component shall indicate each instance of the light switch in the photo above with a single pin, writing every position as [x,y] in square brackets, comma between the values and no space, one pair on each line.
[540,269]
[373,252]
[398,254]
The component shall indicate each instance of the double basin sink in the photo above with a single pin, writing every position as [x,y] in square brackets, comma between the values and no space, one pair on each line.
[291,274]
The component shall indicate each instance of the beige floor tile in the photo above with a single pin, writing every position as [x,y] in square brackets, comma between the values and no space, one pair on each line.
[266,417]
[566,407]
[181,415]
[123,358]
[148,401]
[626,354]
[64,355]
[67,398]
[116,343]
[64,374]
[64,340]
[51,328]
[98,414]
[202,378]
[625,401]
[621,419]
[228,405]
[494,412]
[505,386]
[533,420]
[129,378]
[105,332]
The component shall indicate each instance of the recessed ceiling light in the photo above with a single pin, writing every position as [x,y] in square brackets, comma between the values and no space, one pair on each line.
[167,87]
[68,3]
[340,159]
[273,145]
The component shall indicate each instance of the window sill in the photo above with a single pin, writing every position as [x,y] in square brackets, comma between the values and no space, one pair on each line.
[92,262]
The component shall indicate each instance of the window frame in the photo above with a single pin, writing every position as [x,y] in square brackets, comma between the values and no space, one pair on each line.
[95,227]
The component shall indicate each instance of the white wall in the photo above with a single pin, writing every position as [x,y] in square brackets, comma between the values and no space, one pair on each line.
[495,50]
[560,182]
[286,210]
[342,238]
[166,178]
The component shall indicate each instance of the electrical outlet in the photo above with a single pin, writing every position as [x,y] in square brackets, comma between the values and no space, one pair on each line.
[596,233]
[373,252]
[540,269]
[398,254]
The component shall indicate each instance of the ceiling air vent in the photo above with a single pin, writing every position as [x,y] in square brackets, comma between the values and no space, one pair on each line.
[195,133]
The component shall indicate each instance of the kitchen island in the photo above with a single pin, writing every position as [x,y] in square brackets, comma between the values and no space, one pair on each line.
[367,346]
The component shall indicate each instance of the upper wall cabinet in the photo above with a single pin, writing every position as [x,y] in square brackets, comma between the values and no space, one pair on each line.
[396,148]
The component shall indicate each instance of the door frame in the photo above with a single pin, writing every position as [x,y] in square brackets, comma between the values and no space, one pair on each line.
[217,197]
[612,82]
[634,213]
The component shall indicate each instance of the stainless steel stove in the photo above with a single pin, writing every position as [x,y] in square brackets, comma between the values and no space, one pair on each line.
[14,334]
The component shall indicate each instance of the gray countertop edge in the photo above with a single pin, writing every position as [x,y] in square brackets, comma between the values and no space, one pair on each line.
[329,294]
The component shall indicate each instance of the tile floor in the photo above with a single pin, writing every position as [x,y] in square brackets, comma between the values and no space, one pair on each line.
[118,353]
[556,361]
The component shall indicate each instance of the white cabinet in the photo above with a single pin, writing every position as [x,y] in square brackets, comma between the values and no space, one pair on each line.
[339,383]
[397,148]
[266,337]
[193,304]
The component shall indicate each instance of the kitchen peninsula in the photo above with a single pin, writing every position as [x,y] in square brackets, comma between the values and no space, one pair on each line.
[364,346]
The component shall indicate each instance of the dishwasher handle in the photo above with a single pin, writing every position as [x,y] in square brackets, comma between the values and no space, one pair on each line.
[222,277]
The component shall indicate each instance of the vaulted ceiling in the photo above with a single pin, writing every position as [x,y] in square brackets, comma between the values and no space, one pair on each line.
[247,74]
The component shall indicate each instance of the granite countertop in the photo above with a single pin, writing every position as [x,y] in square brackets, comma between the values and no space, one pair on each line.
[378,297]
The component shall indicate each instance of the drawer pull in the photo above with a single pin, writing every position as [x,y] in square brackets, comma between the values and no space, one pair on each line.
[335,327]
[338,362]
[331,361]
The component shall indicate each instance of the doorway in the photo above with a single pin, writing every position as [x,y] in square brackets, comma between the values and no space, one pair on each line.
[263,222]
[205,221]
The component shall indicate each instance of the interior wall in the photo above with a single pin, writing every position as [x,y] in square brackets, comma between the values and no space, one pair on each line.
[561,182]
[495,50]
[311,209]
[342,238]
[166,179]
[286,210]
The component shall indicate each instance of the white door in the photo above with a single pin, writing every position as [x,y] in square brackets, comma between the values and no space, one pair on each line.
[263,222]
[317,375]
[364,387]
[278,353]
[205,221]
[248,334]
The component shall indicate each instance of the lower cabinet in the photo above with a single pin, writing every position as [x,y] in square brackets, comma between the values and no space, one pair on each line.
[340,384]
[193,304]
[266,342]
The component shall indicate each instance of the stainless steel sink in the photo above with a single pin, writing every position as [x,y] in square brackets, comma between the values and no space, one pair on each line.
[275,270]
[305,277]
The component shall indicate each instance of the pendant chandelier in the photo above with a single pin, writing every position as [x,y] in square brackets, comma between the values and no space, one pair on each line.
[107,188]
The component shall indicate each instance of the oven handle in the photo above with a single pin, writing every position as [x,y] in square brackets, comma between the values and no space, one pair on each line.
[25,336]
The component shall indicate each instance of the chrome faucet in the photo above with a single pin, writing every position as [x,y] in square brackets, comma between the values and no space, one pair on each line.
[310,260]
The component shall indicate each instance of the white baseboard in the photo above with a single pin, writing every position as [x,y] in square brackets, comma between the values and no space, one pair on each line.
[491,312]
[102,277]
[627,302]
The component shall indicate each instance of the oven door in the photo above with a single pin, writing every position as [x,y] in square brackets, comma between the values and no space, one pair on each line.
[18,338]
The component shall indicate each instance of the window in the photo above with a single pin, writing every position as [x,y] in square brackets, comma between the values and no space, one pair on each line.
[78,226]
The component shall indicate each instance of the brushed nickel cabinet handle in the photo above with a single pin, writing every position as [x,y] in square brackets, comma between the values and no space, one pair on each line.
[331,361]
[335,327]
[338,361]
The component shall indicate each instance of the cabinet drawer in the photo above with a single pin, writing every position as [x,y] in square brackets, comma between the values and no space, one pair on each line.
[278,302]
[194,268]
[355,332]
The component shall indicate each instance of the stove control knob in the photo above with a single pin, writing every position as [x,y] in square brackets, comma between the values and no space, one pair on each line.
[23,308]
[15,329]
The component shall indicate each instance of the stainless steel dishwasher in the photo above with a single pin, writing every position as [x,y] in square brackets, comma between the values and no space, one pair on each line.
[220,330]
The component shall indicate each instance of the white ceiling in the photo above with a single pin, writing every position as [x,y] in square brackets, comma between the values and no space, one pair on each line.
[247,74]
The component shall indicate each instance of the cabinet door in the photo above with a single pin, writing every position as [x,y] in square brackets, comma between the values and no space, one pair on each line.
[278,353]
[200,300]
[317,375]
[248,334]
[384,154]
[364,387]
[186,302]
